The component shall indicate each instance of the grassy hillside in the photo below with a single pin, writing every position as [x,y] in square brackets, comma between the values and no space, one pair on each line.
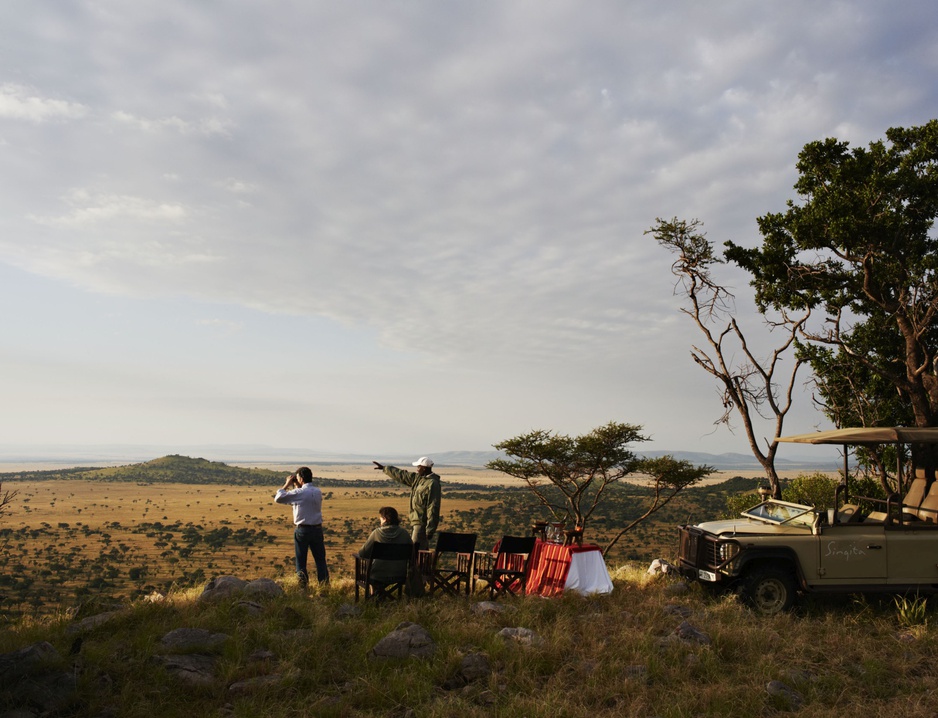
[172,469]
[631,653]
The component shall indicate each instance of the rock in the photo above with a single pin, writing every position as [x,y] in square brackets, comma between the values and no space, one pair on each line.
[484,607]
[92,622]
[348,610]
[659,565]
[192,668]
[524,636]
[32,677]
[408,640]
[680,611]
[474,667]
[689,634]
[155,597]
[797,675]
[25,660]
[193,639]
[487,698]
[257,683]
[251,607]
[222,587]
[263,587]
[262,655]
[49,693]
[786,698]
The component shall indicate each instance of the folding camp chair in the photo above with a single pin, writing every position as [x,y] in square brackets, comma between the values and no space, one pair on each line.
[383,590]
[505,569]
[448,567]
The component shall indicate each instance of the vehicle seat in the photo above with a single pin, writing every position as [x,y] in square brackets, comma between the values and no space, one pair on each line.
[928,510]
[848,514]
[913,497]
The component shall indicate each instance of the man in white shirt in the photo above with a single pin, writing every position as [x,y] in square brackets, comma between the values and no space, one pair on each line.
[306,500]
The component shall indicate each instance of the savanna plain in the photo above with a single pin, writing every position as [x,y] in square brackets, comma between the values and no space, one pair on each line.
[75,548]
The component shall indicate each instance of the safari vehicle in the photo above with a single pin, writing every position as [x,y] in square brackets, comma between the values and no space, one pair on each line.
[776,548]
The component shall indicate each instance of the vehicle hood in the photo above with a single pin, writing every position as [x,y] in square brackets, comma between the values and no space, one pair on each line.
[749,526]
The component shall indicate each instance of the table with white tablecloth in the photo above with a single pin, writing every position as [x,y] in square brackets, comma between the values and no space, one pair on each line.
[555,568]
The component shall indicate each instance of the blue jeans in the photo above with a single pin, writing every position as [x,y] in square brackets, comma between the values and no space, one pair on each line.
[309,538]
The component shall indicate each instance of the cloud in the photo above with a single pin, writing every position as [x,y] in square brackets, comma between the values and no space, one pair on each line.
[19,103]
[205,126]
[92,209]
[469,184]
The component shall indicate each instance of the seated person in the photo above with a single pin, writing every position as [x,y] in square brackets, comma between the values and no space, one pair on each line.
[390,531]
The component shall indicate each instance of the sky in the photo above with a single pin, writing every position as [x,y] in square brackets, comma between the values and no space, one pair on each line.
[389,227]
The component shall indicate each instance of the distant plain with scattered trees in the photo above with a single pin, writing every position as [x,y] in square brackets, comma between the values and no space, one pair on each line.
[124,532]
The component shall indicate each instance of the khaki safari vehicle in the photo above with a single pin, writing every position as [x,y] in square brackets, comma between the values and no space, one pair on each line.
[776,549]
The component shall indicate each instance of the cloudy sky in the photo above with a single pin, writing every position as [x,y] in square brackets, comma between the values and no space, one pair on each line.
[388,227]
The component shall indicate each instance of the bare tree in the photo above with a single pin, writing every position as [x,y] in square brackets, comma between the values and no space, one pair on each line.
[748,384]
[6,498]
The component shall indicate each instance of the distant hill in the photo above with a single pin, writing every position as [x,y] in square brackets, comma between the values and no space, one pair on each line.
[175,469]
[168,469]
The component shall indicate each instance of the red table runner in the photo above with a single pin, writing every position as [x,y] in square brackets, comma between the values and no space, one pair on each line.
[550,563]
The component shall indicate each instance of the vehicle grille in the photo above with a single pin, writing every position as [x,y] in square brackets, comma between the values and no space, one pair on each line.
[697,550]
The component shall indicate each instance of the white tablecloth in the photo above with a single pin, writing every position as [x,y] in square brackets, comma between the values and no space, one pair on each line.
[588,573]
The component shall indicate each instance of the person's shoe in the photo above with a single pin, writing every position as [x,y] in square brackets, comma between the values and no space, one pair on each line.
[302,579]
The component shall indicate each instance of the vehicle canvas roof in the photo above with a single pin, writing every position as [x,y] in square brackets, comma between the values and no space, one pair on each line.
[868,435]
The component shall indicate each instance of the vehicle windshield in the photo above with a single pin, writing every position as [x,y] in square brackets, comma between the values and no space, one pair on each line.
[781,512]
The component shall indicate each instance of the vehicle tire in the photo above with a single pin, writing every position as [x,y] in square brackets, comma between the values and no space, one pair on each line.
[770,590]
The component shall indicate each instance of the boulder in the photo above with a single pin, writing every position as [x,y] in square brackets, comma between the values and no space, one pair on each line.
[222,587]
[262,587]
[192,668]
[25,660]
[92,622]
[193,639]
[524,636]
[257,683]
[408,640]
[783,696]
[485,607]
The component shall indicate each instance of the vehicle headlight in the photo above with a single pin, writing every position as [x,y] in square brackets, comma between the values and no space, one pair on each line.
[727,551]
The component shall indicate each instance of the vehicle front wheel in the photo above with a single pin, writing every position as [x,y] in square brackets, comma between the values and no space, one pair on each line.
[770,591]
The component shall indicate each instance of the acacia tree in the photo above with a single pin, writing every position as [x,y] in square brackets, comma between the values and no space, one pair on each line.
[570,475]
[749,385]
[859,248]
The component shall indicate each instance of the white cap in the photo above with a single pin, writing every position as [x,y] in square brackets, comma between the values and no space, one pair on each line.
[423,461]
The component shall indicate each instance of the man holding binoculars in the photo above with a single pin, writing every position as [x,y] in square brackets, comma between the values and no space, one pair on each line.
[306,500]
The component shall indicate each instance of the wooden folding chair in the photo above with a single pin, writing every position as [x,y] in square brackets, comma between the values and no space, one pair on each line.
[505,569]
[448,567]
[383,590]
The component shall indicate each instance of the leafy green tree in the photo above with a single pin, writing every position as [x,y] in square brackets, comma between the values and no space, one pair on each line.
[569,475]
[858,248]
[815,490]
